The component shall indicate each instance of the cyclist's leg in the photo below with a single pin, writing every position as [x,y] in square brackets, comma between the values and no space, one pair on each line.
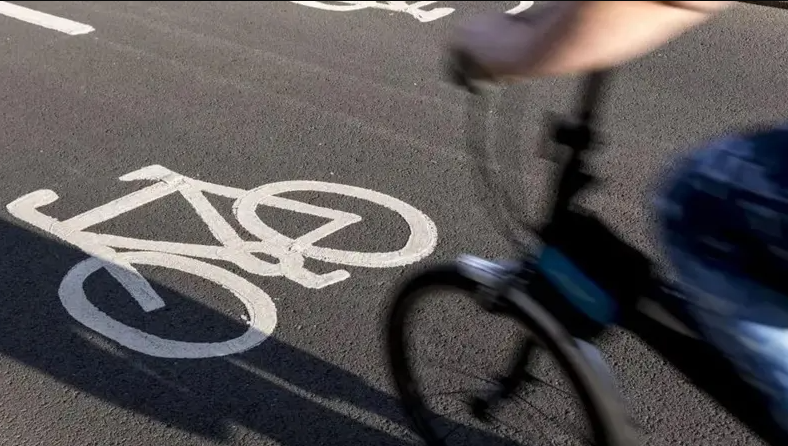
[746,321]
[700,210]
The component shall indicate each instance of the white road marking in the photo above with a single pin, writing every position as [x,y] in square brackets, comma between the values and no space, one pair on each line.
[260,307]
[290,253]
[39,18]
[522,6]
[416,9]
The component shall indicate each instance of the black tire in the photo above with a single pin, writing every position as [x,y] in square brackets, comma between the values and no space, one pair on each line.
[604,414]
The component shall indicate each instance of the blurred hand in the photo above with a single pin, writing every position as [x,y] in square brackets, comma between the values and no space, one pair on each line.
[493,45]
[572,37]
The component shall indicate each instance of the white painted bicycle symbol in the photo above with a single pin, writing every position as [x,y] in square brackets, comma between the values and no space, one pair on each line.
[290,252]
[415,9]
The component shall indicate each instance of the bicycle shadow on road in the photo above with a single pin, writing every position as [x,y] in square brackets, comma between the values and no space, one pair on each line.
[276,391]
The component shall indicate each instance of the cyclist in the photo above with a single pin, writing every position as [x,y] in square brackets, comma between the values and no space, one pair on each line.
[724,213]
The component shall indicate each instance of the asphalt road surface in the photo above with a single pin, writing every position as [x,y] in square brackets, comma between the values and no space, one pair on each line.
[227,97]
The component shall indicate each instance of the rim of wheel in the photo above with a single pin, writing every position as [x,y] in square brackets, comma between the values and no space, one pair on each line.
[599,413]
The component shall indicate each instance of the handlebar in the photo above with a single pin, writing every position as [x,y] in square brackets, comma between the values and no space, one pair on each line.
[574,132]
[591,95]
[464,72]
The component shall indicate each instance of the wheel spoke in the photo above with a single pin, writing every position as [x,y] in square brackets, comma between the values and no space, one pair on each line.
[541,381]
[551,418]
[522,368]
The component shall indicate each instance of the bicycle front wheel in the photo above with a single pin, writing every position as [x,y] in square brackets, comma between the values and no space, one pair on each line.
[543,336]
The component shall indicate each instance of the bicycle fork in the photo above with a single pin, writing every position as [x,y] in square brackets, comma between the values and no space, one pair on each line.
[495,279]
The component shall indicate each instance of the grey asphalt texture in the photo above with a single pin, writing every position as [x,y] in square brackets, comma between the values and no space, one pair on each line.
[243,94]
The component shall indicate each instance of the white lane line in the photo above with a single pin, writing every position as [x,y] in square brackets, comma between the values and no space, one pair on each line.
[28,15]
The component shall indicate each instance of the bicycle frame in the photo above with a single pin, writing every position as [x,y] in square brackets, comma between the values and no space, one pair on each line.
[578,137]
[657,315]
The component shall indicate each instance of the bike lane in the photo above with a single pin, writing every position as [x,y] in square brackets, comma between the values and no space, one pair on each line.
[244,95]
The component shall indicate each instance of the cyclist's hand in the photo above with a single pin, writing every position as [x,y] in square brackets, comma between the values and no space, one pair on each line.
[492,46]
[572,37]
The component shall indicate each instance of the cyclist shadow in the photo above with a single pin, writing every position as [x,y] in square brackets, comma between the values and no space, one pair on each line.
[275,391]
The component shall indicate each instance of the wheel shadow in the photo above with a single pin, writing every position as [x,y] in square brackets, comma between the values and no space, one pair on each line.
[276,391]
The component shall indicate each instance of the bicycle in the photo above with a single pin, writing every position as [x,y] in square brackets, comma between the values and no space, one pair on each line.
[565,298]
[290,253]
